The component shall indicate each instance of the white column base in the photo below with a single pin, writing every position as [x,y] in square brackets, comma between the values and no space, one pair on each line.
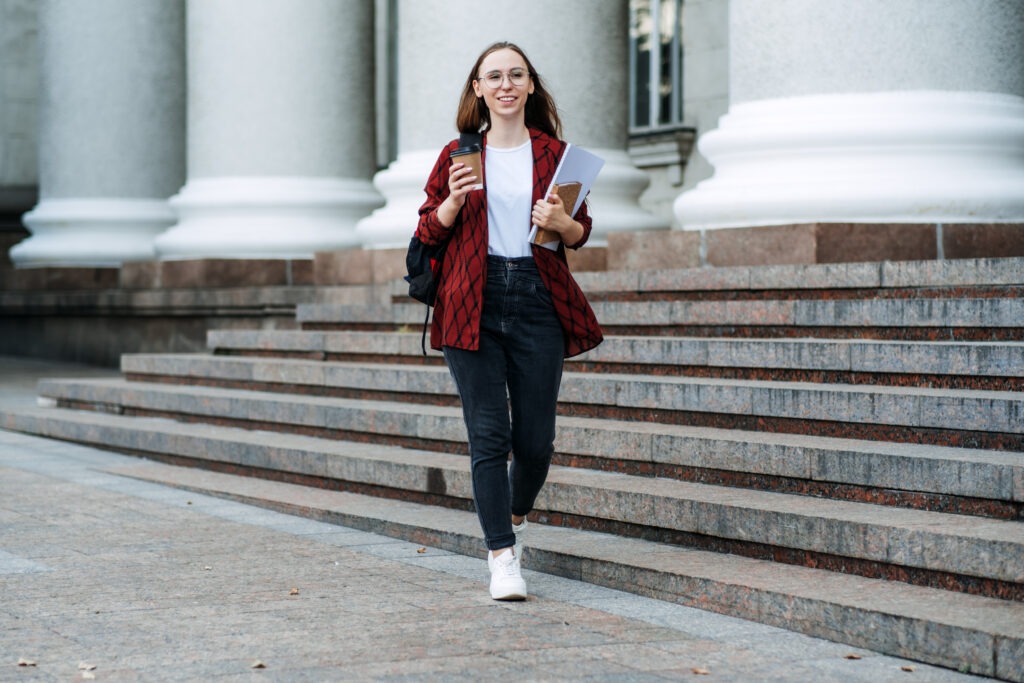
[893,157]
[265,217]
[401,183]
[613,199]
[91,232]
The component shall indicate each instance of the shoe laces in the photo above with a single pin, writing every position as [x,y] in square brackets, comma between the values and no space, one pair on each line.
[507,566]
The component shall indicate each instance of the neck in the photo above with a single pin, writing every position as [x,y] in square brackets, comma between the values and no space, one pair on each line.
[502,134]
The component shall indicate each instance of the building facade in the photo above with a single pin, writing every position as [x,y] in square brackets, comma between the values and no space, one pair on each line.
[733,130]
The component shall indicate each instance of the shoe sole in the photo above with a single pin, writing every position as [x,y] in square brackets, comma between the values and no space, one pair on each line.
[510,593]
[510,597]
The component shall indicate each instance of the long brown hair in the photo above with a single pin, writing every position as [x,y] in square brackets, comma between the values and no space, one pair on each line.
[541,113]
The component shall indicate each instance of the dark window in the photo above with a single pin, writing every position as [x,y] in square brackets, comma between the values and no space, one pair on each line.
[656,64]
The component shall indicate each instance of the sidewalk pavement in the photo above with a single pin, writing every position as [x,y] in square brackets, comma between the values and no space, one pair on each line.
[107,577]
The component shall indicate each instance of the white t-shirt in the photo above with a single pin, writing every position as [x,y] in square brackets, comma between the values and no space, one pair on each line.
[509,175]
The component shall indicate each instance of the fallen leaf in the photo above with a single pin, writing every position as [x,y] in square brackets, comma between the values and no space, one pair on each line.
[207,568]
[294,591]
[701,672]
[82,666]
[907,668]
[853,656]
[421,551]
[258,665]
[25,662]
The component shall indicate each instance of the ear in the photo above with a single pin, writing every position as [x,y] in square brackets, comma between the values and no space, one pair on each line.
[476,88]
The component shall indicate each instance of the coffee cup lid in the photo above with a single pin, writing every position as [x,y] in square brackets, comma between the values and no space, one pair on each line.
[468,149]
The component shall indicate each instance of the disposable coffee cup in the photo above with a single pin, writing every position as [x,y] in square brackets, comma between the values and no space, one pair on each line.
[470,156]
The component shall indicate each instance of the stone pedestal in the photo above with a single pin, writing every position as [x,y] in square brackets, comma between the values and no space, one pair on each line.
[878,111]
[435,59]
[111,131]
[280,129]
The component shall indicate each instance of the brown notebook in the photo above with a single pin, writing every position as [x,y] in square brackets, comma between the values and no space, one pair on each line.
[567,192]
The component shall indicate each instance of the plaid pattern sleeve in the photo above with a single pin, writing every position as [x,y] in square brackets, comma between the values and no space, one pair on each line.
[429,228]
[460,290]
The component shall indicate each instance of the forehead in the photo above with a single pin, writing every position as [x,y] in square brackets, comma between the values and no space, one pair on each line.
[502,60]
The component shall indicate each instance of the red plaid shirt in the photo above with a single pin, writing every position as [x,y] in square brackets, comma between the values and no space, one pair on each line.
[461,286]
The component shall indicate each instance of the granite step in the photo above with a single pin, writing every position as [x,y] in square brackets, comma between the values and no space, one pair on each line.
[944,278]
[277,300]
[943,313]
[967,365]
[955,552]
[964,632]
[971,481]
[958,417]
[828,278]
[966,319]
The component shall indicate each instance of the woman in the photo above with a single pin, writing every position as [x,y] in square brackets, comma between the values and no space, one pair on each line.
[507,312]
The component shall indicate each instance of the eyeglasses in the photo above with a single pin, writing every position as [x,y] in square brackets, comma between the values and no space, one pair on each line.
[494,79]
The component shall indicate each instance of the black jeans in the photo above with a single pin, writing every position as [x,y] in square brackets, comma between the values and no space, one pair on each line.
[509,391]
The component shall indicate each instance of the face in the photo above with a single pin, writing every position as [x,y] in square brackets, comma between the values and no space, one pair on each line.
[507,99]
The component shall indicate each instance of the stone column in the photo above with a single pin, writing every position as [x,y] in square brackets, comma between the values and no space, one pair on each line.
[19,137]
[580,49]
[876,111]
[112,130]
[280,129]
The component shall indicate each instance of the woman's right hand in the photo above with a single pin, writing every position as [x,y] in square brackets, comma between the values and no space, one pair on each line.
[460,184]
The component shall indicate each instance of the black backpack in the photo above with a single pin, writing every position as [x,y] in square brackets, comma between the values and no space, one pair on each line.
[423,261]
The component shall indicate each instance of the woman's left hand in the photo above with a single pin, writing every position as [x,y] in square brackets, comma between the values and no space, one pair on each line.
[550,214]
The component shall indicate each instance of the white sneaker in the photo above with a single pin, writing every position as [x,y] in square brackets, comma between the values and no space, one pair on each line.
[506,579]
[520,531]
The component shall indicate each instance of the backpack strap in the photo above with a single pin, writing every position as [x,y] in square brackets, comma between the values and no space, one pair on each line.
[423,338]
[467,139]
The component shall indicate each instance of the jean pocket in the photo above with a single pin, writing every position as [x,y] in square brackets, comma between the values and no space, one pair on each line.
[541,293]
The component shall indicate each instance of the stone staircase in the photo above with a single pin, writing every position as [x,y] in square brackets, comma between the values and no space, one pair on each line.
[834,449]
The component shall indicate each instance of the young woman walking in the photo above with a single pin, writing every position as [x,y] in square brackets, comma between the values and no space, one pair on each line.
[507,312]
